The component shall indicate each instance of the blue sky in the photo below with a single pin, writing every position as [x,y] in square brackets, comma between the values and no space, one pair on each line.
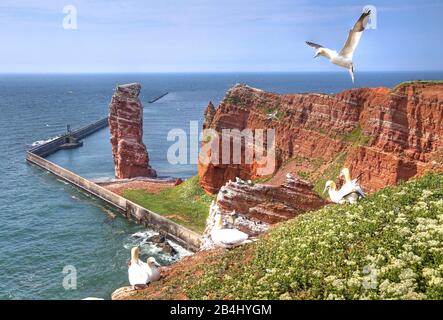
[213,35]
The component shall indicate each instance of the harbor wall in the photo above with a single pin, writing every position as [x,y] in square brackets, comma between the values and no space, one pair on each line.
[175,232]
[53,146]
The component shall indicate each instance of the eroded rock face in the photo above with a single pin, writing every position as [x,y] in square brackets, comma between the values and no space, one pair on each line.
[388,135]
[209,115]
[126,125]
[252,208]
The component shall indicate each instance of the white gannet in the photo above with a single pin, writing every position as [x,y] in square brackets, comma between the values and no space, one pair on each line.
[290,179]
[239,181]
[232,216]
[344,57]
[351,187]
[153,269]
[226,238]
[137,271]
[334,195]
[272,116]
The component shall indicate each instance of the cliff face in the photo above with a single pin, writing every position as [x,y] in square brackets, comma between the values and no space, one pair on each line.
[126,126]
[388,135]
[252,208]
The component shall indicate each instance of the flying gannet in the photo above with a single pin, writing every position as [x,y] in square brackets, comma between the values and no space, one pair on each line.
[344,57]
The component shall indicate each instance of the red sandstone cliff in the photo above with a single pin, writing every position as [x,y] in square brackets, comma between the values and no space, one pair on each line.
[389,135]
[252,208]
[126,126]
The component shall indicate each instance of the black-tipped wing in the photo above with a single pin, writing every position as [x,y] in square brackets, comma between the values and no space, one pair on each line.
[354,35]
[314,45]
[362,22]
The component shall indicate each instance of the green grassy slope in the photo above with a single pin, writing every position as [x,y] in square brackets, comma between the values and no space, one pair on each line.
[186,204]
[389,246]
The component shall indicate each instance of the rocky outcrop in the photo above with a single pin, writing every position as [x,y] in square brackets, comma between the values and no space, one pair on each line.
[209,115]
[160,241]
[252,208]
[126,126]
[389,135]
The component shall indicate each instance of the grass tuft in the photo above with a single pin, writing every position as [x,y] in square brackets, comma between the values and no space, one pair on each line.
[408,83]
[357,137]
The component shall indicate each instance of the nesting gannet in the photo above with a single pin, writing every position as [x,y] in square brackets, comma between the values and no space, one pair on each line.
[239,181]
[272,116]
[226,238]
[290,179]
[232,216]
[351,187]
[344,57]
[138,276]
[153,269]
[334,195]
[349,193]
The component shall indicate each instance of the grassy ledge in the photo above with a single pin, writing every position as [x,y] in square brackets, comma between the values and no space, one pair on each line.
[356,137]
[389,246]
[408,83]
[186,204]
[266,108]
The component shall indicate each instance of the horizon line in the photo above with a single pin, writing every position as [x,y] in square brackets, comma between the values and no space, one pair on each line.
[206,72]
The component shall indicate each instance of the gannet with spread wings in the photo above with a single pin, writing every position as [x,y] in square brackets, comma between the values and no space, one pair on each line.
[344,57]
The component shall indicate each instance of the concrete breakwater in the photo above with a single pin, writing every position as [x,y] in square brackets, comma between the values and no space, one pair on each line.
[53,146]
[175,232]
[158,98]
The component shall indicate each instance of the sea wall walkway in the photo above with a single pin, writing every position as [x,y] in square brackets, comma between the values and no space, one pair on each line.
[50,147]
[177,233]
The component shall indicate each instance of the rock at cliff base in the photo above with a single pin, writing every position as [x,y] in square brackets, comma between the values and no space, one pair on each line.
[253,208]
[164,245]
